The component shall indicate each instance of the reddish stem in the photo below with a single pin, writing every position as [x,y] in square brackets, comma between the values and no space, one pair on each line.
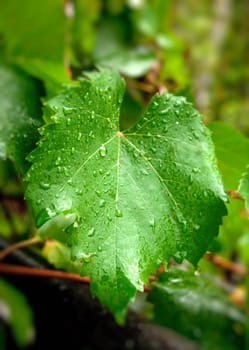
[10,269]
[33,271]
[226,264]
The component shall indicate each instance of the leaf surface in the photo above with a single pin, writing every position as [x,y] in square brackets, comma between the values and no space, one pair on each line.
[203,312]
[141,195]
[20,115]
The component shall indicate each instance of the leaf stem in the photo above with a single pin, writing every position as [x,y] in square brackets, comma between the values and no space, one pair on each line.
[226,264]
[40,272]
[18,245]
[11,269]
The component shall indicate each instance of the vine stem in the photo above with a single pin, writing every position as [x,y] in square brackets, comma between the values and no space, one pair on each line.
[11,269]
[18,245]
[226,264]
[40,272]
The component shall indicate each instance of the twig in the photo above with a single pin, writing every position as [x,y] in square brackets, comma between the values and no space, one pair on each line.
[226,264]
[234,195]
[11,269]
[18,245]
[33,271]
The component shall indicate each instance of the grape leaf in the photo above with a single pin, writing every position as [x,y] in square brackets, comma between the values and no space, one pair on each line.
[203,312]
[232,151]
[20,115]
[16,312]
[141,195]
[244,187]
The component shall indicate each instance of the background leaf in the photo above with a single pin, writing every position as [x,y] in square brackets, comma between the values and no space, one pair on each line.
[20,115]
[15,311]
[141,195]
[232,151]
[195,307]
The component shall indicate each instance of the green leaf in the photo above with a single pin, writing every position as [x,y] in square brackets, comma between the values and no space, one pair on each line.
[41,50]
[60,256]
[33,29]
[111,50]
[140,195]
[20,115]
[232,151]
[131,62]
[15,311]
[194,306]
[244,187]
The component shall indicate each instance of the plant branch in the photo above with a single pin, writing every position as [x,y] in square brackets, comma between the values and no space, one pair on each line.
[226,264]
[11,269]
[33,271]
[22,244]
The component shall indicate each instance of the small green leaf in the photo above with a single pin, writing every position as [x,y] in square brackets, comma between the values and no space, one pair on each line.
[15,311]
[244,187]
[20,115]
[60,256]
[232,151]
[194,306]
[140,195]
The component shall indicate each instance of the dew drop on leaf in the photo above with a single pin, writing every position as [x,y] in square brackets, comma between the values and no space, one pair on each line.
[91,232]
[70,182]
[44,185]
[79,192]
[102,151]
[58,161]
[118,213]
[102,203]
[67,110]
[196,227]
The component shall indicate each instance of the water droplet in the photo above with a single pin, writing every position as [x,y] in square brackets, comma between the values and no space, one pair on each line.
[196,170]
[118,213]
[98,193]
[152,223]
[44,185]
[72,150]
[68,122]
[101,171]
[86,257]
[67,110]
[91,232]
[100,249]
[102,151]
[91,134]
[102,203]
[177,122]
[79,192]
[70,181]
[144,171]
[58,161]
[79,136]
[163,111]
[196,227]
